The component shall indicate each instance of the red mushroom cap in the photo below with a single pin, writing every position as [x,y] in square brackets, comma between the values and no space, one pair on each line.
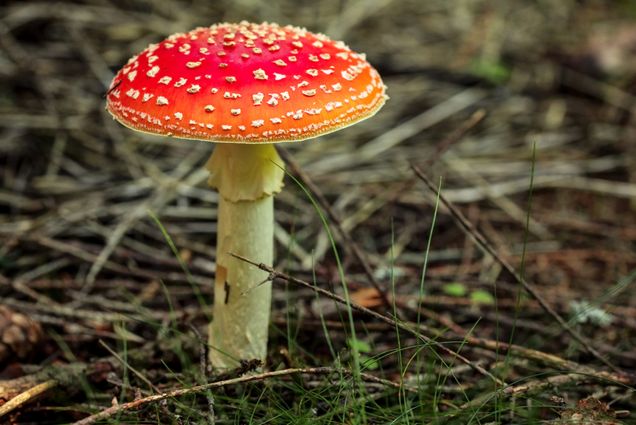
[245,83]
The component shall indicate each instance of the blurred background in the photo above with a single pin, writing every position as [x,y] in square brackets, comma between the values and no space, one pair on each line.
[523,112]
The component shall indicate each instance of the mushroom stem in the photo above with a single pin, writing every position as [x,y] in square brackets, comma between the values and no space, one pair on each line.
[247,177]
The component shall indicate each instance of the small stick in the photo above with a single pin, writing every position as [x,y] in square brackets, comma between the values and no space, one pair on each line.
[485,245]
[106,413]
[530,387]
[27,396]
[549,359]
[273,274]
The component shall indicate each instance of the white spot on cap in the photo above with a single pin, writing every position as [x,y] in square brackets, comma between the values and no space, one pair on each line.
[146,97]
[327,71]
[276,120]
[317,44]
[258,123]
[236,111]
[193,64]
[292,58]
[312,72]
[297,44]
[194,88]
[280,62]
[257,51]
[347,75]
[230,95]
[208,108]
[132,93]
[178,115]
[153,58]
[165,80]
[260,74]
[131,75]
[313,58]
[181,82]
[297,115]
[284,95]
[226,127]
[273,100]
[311,92]
[257,98]
[161,101]
[325,56]
[241,127]
[278,76]
[230,79]
[153,71]
[336,87]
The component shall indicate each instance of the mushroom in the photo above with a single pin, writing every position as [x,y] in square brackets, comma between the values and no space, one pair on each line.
[245,86]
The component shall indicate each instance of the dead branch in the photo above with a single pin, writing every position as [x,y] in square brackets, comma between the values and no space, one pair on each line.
[243,379]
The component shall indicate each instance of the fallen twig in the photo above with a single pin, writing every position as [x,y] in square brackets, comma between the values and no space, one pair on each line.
[20,391]
[529,387]
[27,396]
[242,379]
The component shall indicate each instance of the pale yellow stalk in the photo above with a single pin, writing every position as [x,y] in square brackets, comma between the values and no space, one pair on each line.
[247,178]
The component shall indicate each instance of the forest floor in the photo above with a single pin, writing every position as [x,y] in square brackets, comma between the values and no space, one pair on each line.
[505,297]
